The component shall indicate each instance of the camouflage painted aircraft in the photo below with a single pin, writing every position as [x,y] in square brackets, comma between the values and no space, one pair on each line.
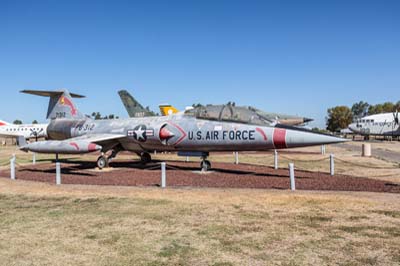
[71,132]
[246,114]
[224,112]
[133,107]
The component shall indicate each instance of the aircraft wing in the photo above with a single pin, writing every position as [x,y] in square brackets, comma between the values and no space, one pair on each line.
[99,139]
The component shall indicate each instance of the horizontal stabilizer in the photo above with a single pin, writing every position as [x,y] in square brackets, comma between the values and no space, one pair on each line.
[50,93]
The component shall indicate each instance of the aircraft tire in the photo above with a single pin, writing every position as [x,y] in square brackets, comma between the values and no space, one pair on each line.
[145,157]
[205,165]
[102,162]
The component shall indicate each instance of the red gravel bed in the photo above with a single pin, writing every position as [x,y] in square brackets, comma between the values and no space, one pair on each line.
[180,174]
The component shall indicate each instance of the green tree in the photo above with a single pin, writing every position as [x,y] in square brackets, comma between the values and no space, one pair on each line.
[339,117]
[96,115]
[34,122]
[17,122]
[388,107]
[360,109]
[397,106]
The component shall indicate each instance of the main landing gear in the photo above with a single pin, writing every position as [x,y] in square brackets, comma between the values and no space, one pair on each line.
[103,161]
[145,157]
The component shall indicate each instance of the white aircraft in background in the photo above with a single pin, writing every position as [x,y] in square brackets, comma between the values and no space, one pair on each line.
[386,124]
[26,130]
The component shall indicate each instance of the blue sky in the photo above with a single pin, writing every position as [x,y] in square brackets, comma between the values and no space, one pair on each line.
[296,57]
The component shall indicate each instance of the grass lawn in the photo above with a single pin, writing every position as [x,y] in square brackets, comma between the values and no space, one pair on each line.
[41,224]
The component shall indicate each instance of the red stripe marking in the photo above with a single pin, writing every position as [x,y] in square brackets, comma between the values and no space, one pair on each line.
[181,130]
[280,138]
[92,147]
[65,101]
[259,130]
[2,124]
[73,144]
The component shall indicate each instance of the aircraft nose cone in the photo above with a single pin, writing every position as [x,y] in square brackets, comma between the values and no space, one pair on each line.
[306,120]
[303,138]
[353,127]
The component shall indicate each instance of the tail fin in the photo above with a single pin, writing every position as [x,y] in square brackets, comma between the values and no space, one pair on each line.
[167,109]
[133,107]
[4,123]
[60,104]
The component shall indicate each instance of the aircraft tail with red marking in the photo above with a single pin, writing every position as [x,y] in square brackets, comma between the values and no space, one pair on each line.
[4,123]
[60,104]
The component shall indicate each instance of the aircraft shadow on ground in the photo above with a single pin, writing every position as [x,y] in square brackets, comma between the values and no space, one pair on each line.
[64,171]
[76,168]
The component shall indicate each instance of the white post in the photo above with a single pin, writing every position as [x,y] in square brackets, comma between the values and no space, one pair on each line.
[276,166]
[163,175]
[366,150]
[236,157]
[34,158]
[187,159]
[12,167]
[323,149]
[291,173]
[332,168]
[58,173]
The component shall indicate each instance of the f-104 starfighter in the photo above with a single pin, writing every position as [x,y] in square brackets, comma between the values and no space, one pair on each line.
[71,132]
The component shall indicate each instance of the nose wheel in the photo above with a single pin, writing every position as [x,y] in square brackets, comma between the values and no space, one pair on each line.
[205,165]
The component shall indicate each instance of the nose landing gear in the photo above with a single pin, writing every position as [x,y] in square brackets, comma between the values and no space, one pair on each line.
[205,164]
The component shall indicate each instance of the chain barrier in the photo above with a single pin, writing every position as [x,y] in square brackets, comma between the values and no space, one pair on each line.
[342,161]
[367,166]
[306,161]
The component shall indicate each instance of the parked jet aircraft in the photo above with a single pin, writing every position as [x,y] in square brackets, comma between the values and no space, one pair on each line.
[223,112]
[386,124]
[167,109]
[135,109]
[245,114]
[73,133]
[132,106]
[26,130]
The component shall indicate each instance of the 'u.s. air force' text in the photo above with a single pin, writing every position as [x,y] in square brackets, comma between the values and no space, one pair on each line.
[222,135]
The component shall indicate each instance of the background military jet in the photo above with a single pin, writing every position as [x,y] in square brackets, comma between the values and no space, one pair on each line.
[71,132]
[133,107]
[225,112]
[245,114]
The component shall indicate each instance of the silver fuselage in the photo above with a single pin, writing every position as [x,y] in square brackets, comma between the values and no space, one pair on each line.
[189,134]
